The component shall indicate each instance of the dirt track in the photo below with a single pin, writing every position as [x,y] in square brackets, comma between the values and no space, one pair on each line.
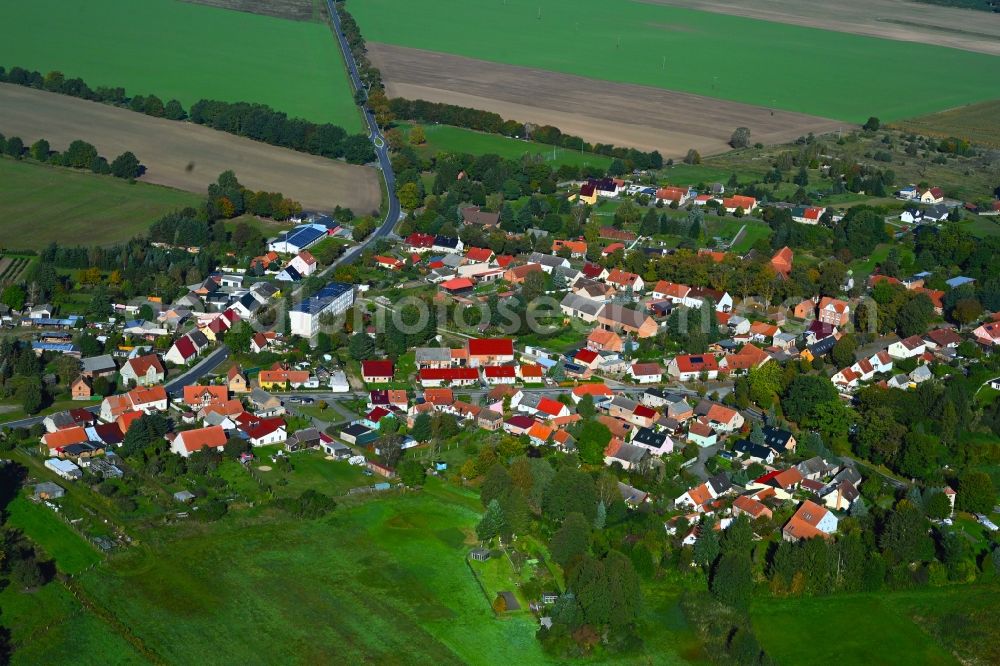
[965,29]
[184,155]
[671,122]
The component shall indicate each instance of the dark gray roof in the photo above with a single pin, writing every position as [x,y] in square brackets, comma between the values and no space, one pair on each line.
[776,438]
[649,437]
[746,447]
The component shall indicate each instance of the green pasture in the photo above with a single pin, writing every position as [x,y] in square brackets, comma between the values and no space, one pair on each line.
[775,65]
[186,51]
[40,204]
[928,626]
[40,523]
[449,139]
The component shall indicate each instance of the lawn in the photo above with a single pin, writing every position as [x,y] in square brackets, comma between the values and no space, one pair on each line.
[981,227]
[862,268]
[768,64]
[445,138]
[40,204]
[919,627]
[70,551]
[727,228]
[185,51]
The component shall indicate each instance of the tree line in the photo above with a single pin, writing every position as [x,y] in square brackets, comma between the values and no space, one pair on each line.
[79,155]
[255,121]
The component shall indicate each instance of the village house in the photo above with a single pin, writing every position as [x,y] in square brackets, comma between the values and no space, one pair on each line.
[490,351]
[81,388]
[189,441]
[377,372]
[745,505]
[781,262]
[601,339]
[437,377]
[809,521]
[281,378]
[143,371]
[645,373]
[616,318]
[746,204]
[690,367]
[834,311]
[907,348]
[517,274]
[236,381]
[625,281]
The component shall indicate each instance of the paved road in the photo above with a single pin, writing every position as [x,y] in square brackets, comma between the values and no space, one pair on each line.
[379,143]
[204,366]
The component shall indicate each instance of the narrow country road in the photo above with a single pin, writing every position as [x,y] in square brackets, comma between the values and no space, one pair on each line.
[379,143]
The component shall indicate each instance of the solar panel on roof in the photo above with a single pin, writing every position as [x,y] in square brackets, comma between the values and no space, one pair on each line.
[697,359]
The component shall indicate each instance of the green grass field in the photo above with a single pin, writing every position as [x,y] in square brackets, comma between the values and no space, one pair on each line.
[186,51]
[371,583]
[445,138]
[981,227]
[928,626]
[45,622]
[40,204]
[830,74]
[70,551]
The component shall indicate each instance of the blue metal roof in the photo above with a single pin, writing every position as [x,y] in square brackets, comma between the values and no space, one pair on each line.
[319,301]
[53,346]
[302,236]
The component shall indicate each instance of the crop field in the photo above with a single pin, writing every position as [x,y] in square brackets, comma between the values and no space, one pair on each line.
[953,27]
[183,155]
[40,204]
[977,123]
[12,266]
[296,10]
[185,51]
[767,64]
[445,138]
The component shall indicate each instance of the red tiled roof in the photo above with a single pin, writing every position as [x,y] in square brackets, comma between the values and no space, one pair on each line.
[448,374]
[696,363]
[491,347]
[141,364]
[376,369]
[500,371]
[420,240]
[195,440]
[550,406]
[186,348]
[439,396]
[479,254]
[457,284]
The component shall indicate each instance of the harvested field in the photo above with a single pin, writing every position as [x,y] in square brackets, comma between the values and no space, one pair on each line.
[671,122]
[977,123]
[183,155]
[294,10]
[11,268]
[889,19]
